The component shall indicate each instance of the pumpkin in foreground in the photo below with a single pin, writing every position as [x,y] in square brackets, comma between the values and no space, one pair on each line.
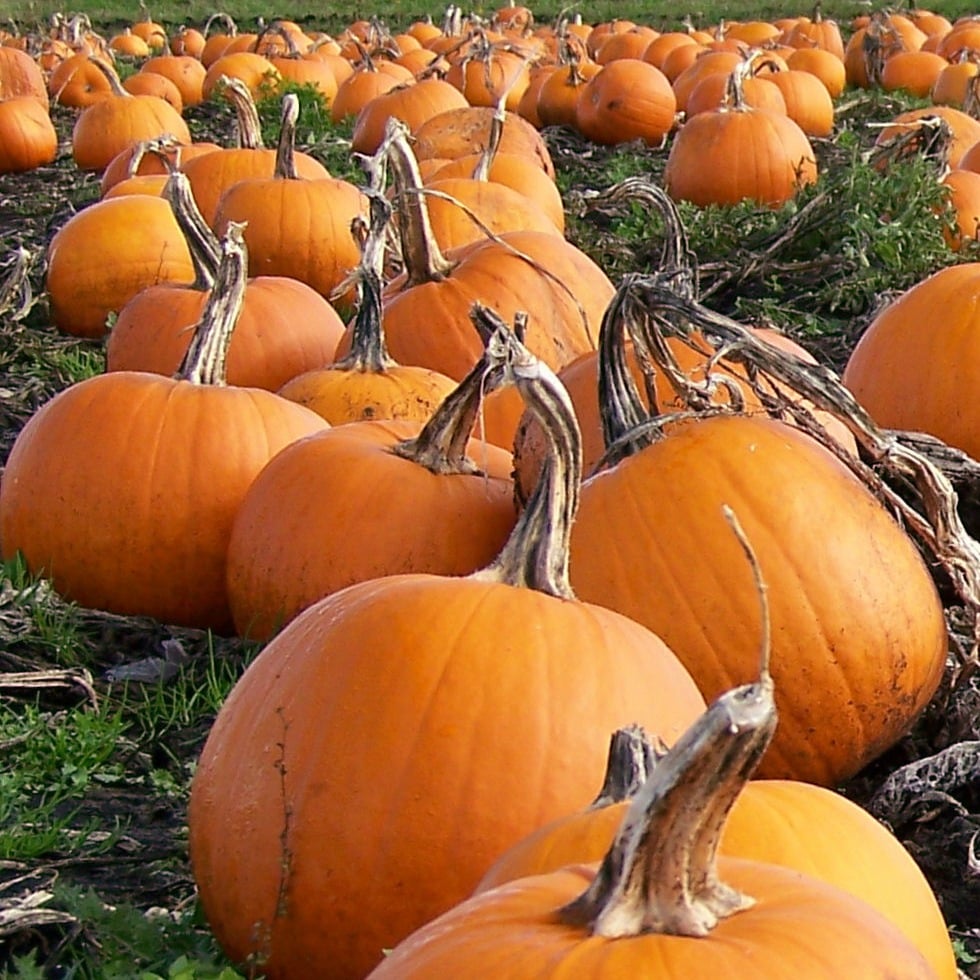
[663,904]
[397,736]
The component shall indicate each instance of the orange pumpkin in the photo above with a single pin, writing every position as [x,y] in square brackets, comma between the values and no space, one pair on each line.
[27,136]
[414,670]
[123,487]
[664,903]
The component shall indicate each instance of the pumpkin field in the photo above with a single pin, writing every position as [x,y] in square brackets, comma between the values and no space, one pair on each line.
[447,449]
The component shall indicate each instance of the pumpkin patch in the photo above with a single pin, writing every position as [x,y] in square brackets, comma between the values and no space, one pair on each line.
[375,394]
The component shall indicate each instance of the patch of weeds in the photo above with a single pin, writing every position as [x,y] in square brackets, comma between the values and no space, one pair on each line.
[176,710]
[316,133]
[51,760]
[121,942]
[32,612]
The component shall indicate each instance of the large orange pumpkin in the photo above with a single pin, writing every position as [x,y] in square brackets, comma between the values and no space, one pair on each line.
[859,635]
[912,367]
[373,703]
[123,487]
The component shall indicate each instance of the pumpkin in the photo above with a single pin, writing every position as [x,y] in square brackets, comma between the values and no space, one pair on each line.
[20,75]
[253,70]
[325,251]
[628,99]
[410,497]
[185,71]
[27,136]
[285,328]
[911,367]
[796,825]
[122,488]
[369,80]
[105,254]
[736,153]
[414,671]
[111,124]
[559,94]
[458,132]
[412,104]
[78,82]
[249,159]
[837,563]
[161,155]
[664,903]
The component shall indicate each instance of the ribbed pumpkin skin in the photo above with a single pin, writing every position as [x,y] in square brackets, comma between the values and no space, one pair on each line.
[858,633]
[285,329]
[726,156]
[423,724]
[209,180]
[916,364]
[796,825]
[106,128]
[296,228]
[491,275]
[798,928]
[341,508]
[107,253]
[123,489]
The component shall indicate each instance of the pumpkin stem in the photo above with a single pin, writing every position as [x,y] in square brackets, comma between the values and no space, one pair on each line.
[368,352]
[285,168]
[424,261]
[225,20]
[115,85]
[247,121]
[632,759]
[536,554]
[660,874]
[204,361]
[482,170]
[441,445]
[201,241]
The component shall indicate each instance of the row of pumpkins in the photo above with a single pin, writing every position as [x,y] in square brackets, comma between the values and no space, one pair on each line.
[444,668]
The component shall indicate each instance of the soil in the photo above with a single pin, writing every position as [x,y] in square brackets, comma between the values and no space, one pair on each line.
[936,814]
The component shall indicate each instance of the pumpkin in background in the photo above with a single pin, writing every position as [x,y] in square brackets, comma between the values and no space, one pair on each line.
[105,254]
[21,75]
[285,328]
[320,252]
[123,487]
[736,153]
[423,701]
[210,178]
[915,364]
[111,124]
[628,99]
[27,136]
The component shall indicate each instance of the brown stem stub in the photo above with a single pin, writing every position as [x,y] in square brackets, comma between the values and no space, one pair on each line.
[632,759]
[660,873]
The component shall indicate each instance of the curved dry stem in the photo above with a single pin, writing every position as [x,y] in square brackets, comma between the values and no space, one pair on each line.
[536,554]
[203,244]
[205,360]
[285,168]
[247,123]
[902,458]
[660,873]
